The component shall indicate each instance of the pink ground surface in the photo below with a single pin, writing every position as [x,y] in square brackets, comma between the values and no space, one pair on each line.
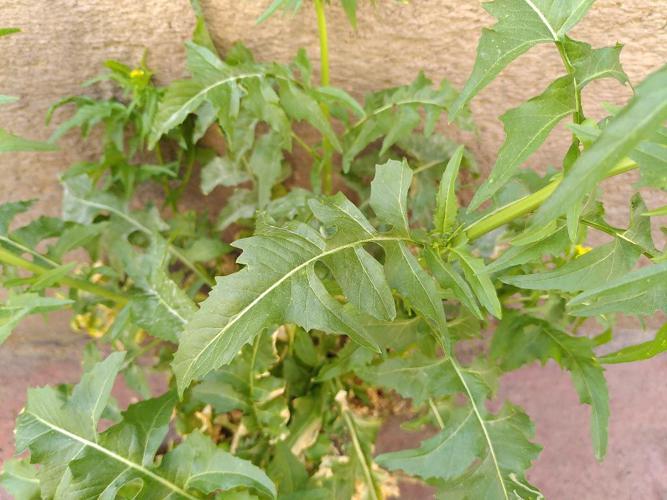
[42,353]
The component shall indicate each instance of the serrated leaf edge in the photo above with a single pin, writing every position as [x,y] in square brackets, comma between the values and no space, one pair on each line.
[269,289]
[114,456]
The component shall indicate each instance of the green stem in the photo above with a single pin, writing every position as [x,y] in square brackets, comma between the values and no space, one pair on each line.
[313,154]
[24,249]
[186,178]
[579,110]
[426,166]
[480,227]
[324,42]
[527,204]
[251,379]
[253,360]
[436,413]
[142,350]
[327,168]
[7,257]
[374,491]
[158,154]
[578,115]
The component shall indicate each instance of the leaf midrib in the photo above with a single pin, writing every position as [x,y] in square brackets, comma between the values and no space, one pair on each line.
[549,124]
[641,274]
[411,263]
[274,286]
[578,362]
[151,428]
[113,456]
[166,124]
[370,279]
[22,247]
[413,368]
[172,249]
[363,267]
[482,424]
[154,293]
[388,106]
[535,279]
[543,18]
[454,433]
[228,472]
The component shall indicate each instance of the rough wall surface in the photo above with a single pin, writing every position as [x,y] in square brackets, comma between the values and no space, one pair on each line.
[65,42]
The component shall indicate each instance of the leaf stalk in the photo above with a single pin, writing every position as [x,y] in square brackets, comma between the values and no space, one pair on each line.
[528,203]
[374,491]
[9,258]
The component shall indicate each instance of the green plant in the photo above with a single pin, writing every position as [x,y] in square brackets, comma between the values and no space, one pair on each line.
[331,311]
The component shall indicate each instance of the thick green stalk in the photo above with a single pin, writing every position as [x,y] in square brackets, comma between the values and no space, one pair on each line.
[7,257]
[324,42]
[527,204]
[480,227]
[327,167]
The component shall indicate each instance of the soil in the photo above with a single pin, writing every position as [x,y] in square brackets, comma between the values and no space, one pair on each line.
[46,352]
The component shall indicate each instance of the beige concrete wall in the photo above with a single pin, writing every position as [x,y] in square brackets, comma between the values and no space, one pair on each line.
[65,41]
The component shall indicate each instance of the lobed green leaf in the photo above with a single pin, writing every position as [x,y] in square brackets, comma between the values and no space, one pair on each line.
[637,121]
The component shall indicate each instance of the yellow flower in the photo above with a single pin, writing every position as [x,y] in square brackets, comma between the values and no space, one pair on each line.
[580,250]
[137,73]
[96,322]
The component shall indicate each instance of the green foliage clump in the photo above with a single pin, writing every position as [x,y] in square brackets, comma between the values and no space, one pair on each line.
[287,321]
